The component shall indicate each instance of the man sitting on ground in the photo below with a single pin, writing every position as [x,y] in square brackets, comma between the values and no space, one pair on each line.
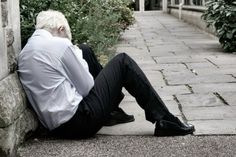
[68,100]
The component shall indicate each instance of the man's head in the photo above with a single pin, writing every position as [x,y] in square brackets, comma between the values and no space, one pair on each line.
[54,22]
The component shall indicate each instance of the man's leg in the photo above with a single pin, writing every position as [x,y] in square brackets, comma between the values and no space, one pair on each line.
[117,116]
[120,72]
[94,66]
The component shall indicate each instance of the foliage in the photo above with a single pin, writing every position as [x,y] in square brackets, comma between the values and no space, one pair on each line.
[96,22]
[221,14]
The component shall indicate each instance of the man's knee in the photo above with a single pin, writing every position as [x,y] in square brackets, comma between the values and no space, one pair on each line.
[85,48]
[123,56]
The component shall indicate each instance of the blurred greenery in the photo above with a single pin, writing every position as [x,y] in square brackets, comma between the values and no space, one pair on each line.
[95,22]
[221,14]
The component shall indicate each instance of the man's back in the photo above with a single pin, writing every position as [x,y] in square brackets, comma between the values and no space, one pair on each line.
[45,79]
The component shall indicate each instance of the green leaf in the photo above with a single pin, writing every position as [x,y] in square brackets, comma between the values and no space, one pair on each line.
[228,14]
[229,35]
[215,6]
[234,31]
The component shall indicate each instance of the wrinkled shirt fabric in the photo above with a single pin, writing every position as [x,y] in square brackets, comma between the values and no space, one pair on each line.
[54,76]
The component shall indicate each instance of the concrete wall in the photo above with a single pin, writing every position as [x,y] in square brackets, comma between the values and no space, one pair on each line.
[191,15]
[16,120]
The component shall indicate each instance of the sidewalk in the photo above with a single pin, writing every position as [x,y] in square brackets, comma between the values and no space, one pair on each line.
[188,68]
[195,79]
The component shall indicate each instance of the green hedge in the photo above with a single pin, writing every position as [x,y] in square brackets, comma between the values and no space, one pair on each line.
[221,14]
[95,22]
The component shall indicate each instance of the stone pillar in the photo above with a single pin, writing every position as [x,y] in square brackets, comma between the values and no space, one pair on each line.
[164,5]
[141,5]
[3,45]
[191,2]
[203,2]
[16,119]
[172,2]
[14,22]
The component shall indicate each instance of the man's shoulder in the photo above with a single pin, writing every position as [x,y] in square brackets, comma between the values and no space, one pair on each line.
[58,46]
[64,42]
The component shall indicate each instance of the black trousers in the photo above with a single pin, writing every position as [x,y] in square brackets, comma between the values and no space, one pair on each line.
[94,109]
[95,68]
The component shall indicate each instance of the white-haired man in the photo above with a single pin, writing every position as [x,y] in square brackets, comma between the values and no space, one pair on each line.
[68,100]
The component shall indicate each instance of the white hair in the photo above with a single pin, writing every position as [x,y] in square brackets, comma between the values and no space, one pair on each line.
[51,20]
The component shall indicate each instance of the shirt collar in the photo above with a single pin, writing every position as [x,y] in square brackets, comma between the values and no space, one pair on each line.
[43,33]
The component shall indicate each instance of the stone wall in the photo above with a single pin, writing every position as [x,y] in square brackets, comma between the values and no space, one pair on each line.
[192,15]
[16,119]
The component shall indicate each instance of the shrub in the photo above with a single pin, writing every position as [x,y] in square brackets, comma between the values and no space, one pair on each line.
[221,14]
[96,22]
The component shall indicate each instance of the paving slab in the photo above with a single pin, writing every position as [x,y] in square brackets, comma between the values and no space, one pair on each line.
[171,67]
[173,73]
[198,52]
[213,87]
[202,66]
[227,66]
[165,96]
[195,79]
[157,53]
[224,59]
[178,59]
[176,47]
[229,97]
[206,45]
[213,70]
[210,113]
[199,100]
[155,77]
[173,107]
[215,127]
[173,90]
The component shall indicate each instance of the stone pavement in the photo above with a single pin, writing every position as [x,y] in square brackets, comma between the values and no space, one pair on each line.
[188,68]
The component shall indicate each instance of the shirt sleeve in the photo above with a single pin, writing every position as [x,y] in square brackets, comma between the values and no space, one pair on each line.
[79,55]
[77,70]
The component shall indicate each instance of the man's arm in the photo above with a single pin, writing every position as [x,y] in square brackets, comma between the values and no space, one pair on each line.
[77,71]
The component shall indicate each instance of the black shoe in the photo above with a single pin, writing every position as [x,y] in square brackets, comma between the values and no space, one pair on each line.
[118,116]
[169,128]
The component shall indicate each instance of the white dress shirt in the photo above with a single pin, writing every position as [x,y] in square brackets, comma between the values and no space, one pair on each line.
[55,77]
